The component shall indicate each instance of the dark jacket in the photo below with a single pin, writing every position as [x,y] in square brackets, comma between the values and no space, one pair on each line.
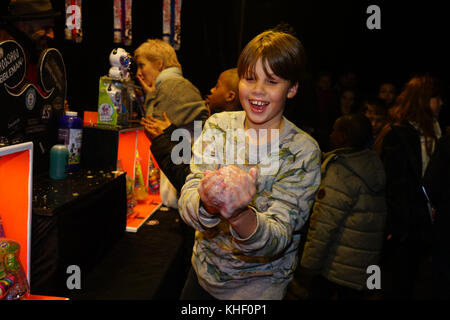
[437,183]
[408,215]
[161,148]
[348,219]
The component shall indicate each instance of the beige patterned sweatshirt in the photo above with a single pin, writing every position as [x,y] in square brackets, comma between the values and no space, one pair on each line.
[260,266]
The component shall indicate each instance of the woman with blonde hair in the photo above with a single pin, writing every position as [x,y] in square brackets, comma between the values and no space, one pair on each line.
[405,145]
[167,91]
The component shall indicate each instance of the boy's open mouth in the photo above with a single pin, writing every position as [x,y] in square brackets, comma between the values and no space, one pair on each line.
[258,106]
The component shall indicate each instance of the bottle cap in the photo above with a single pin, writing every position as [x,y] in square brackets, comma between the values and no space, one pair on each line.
[71,113]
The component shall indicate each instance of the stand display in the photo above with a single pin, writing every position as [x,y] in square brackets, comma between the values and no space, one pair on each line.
[16,180]
[76,221]
[123,148]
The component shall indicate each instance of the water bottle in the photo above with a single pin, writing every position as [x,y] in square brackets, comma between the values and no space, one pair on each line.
[59,157]
[70,134]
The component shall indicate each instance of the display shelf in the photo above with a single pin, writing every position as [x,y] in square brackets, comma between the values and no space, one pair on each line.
[76,221]
[142,211]
[40,297]
[16,187]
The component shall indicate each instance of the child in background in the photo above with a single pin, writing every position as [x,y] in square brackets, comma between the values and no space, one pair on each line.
[348,218]
[224,97]
[376,111]
[388,93]
[248,216]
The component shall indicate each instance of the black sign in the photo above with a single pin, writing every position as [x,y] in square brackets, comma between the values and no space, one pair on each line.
[31,99]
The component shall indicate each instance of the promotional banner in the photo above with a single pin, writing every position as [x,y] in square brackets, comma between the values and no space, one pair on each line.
[73,31]
[172,22]
[122,22]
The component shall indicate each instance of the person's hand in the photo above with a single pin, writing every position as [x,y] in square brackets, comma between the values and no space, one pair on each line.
[210,188]
[228,191]
[148,88]
[155,127]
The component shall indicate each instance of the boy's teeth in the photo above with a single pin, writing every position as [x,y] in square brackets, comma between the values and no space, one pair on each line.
[258,103]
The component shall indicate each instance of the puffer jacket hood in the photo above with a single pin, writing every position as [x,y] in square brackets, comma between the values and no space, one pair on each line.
[362,163]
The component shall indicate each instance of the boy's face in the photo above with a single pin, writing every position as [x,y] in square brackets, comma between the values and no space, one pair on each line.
[337,138]
[147,70]
[263,98]
[387,93]
[347,102]
[216,101]
[377,120]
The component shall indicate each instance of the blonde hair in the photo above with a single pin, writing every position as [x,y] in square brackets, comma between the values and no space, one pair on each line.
[156,49]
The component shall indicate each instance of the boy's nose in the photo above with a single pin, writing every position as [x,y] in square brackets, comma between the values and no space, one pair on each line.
[258,87]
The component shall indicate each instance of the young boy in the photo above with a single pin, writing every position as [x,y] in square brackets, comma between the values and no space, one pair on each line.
[246,204]
[347,223]
[387,93]
[224,96]
[376,111]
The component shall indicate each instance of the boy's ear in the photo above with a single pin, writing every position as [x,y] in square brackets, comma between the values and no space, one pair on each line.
[292,91]
[231,95]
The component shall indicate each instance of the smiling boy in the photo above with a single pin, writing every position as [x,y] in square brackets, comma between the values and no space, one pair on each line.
[247,220]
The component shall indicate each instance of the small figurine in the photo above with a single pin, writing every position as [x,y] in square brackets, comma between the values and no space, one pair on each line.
[120,61]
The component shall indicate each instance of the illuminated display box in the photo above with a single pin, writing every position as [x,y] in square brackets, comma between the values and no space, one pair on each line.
[16,186]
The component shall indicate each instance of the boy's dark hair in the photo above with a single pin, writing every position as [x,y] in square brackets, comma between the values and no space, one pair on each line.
[378,106]
[356,128]
[281,51]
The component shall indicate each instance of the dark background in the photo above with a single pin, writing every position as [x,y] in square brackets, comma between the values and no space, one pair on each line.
[412,39]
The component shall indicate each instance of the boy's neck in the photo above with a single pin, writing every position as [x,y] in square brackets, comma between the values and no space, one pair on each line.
[264,137]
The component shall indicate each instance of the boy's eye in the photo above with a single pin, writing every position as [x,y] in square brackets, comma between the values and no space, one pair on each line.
[271,81]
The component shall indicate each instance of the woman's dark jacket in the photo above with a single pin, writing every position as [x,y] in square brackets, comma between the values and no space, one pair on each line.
[408,215]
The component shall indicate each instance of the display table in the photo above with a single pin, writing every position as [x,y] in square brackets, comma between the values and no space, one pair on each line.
[75,221]
[149,264]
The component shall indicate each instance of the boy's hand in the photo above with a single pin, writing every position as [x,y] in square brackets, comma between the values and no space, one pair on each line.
[228,191]
[240,190]
[210,190]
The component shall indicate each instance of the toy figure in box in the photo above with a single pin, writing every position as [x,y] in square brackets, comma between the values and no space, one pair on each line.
[116,90]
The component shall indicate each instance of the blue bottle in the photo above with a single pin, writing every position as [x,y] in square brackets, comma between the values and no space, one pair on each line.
[70,134]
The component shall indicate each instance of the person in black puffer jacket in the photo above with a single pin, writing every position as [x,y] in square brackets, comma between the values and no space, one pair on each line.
[346,230]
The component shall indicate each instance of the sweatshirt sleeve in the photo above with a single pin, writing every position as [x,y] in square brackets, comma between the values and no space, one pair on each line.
[290,203]
[189,200]
[282,204]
